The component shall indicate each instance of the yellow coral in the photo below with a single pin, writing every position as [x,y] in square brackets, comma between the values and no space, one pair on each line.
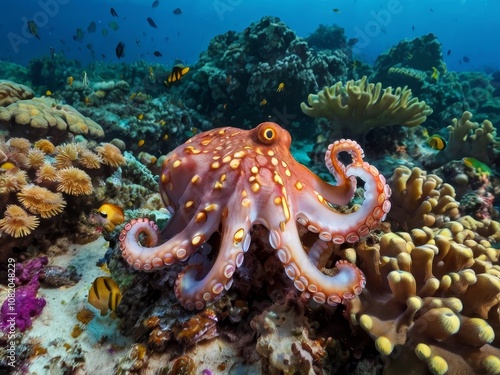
[359,106]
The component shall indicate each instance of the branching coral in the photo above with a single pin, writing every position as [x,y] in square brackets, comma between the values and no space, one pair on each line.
[432,300]
[359,106]
[419,199]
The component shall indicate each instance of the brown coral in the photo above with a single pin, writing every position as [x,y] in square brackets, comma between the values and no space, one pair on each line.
[359,106]
[44,117]
[40,200]
[420,199]
[11,92]
[45,145]
[17,222]
[110,154]
[74,181]
[432,300]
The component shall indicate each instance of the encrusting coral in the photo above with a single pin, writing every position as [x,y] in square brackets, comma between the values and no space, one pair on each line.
[359,106]
[11,92]
[44,117]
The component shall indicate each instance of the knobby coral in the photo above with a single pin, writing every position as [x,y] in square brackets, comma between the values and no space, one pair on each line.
[359,106]
[11,92]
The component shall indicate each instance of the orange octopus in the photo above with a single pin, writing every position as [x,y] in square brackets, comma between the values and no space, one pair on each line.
[229,179]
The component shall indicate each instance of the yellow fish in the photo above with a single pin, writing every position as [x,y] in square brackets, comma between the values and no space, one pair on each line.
[107,216]
[70,80]
[281,87]
[478,166]
[140,117]
[48,93]
[436,142]
[263,102]
[141,143]
[7,166]
[435,73]
[104,294]
[178,71]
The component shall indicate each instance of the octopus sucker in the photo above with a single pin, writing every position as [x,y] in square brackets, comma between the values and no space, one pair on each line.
[254,173]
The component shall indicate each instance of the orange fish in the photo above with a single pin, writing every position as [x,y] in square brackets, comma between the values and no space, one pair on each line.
[107,216]
[70,80]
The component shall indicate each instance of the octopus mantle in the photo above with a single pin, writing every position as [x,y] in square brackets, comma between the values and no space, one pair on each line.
[229,179]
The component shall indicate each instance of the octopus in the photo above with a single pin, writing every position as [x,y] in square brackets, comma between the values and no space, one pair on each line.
[226,180]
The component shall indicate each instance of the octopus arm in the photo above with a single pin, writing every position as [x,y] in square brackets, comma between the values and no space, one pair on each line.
[139,242]
[203,281]
[347,283]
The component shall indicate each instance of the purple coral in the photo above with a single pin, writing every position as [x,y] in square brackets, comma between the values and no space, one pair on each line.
[22,303]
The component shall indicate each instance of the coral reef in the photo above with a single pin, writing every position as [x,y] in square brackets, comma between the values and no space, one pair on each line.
[358,106]
[20,308]
[240,74]
[47,185]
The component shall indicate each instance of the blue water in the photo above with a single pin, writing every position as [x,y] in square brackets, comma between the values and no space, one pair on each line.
[464,27]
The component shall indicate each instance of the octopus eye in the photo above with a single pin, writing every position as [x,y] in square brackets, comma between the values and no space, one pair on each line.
[267,135]
[103,214]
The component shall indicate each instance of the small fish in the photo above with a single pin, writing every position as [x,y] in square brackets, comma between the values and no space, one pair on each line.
[466,59]
[52,53]
[113,12]
[48,93]
[321,138]
[435,73]
[152,75]
[141,143]
[165,137]
[448,53]
[336,10]
[155,3]
[120,50]
[104,32]
[91,28]
[281,87]
[413,28]
[104,294]
[478,166]
[177,11]
[70,80]
[79,35]
[263,102]
[140,117]
[107,216]
[157,54]
[151,22]
[113,25]
[436,142]
[33,29]
[7,166]
[178,71]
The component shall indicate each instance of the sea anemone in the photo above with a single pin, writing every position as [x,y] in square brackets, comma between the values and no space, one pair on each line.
[74,181]
[21,144]
[35,158]
[46,173]
[13,180]
[110,154]
[45,145]
[66,155]
[17,222]
[40,200]
[90,160]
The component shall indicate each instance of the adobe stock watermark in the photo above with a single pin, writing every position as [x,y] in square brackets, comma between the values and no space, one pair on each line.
[375,26]
[11,313]
[224,6]
[48,9]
